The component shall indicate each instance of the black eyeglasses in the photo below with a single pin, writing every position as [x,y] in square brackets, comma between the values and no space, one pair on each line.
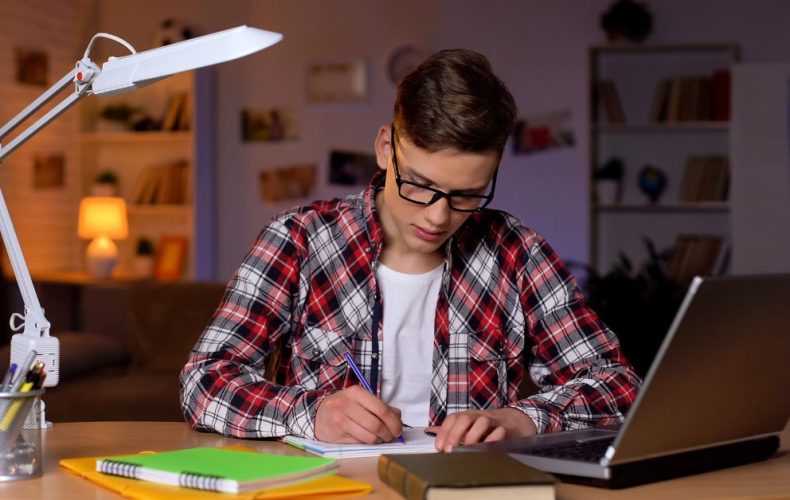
[426,195]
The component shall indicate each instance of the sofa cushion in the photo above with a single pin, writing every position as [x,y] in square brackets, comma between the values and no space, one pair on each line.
[168,318]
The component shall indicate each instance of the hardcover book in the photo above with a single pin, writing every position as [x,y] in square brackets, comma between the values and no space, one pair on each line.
[474,475]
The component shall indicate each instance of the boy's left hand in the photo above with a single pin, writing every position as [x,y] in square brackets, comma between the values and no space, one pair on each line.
[478,426]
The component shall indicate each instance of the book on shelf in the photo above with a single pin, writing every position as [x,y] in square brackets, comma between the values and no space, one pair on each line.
[217,469]
[705,178]
[720,92]
[692,98]
[658,110]
[463,475]
[609,101]
[162,184]
[693,255]
[175,110]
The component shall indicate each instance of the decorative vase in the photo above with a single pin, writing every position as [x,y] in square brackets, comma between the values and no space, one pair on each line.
[607,191]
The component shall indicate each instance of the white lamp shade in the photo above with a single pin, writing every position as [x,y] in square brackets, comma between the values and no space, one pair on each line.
[103,216]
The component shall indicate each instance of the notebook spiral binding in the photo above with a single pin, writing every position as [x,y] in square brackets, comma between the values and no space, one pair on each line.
[118,468]
[199,481]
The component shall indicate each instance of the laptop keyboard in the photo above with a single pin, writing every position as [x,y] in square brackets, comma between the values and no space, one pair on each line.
[585,451]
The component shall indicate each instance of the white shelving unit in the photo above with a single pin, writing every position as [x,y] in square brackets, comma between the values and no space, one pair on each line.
[131,154]
[635,71]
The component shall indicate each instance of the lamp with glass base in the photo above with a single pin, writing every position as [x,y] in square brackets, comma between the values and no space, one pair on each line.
[102,219]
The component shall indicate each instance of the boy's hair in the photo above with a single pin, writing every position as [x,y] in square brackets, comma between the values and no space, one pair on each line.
[454,100]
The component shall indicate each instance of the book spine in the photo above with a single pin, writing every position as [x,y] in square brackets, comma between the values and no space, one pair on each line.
[399,479]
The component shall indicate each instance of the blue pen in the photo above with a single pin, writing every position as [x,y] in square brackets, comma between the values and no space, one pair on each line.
[8,377]
[363,380]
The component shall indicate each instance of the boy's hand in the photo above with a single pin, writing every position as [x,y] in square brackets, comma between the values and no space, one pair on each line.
[354,415]
[477,426]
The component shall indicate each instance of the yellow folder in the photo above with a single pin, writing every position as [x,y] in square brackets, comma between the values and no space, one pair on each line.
[324,487]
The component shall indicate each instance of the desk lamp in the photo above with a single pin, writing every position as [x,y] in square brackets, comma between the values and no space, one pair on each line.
[117,75]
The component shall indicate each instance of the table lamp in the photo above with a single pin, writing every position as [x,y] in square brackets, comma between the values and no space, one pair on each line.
[118,74]
[101,220]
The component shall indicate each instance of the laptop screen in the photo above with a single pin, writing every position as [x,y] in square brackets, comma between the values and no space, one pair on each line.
[721,373]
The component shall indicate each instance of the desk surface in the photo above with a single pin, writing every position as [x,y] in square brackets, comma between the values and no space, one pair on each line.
[770,478]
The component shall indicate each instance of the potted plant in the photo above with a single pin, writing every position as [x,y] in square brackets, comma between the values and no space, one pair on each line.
[116,117]
[105,184]
[638,305]
[609,182]
[144,258]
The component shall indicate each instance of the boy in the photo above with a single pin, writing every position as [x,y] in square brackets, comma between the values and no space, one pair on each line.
[439,301]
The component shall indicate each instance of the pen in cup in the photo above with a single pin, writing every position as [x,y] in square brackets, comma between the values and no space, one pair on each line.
[8,377]
[363,381]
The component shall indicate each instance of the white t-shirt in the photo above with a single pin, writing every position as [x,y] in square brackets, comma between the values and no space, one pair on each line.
[408,331]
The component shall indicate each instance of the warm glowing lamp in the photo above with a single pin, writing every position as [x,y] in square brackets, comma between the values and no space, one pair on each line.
[102,219]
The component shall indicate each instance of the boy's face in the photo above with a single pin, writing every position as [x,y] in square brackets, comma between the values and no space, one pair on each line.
[413,229]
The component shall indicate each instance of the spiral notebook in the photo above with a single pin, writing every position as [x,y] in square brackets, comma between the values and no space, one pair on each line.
[217,469]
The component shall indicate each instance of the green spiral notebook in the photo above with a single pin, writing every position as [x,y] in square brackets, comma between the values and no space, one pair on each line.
[217,469]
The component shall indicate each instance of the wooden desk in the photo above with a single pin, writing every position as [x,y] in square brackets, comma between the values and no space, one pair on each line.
[68,440]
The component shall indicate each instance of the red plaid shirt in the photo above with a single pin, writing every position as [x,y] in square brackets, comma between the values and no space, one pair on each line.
[308,285]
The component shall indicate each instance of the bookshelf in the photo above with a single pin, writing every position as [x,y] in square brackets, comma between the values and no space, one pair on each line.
[668,110]
[162,174]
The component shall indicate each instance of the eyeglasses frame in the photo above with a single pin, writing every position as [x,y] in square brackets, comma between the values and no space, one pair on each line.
[437,194]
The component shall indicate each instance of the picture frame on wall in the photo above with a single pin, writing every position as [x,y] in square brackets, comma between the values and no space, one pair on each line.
[32,66]
[349,168]
[338,81]
[170,258]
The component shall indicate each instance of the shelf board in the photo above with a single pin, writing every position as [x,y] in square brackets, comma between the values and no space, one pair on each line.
[700,206]
[691,126]
[160,209]
[666,47]
[135,137]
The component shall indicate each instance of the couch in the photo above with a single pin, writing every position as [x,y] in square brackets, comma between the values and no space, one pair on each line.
[123,360]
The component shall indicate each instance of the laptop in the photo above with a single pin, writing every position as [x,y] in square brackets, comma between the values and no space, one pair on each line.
[716,395]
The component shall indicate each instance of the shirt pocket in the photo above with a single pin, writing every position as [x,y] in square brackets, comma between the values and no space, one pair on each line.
[318,361]
[496,367]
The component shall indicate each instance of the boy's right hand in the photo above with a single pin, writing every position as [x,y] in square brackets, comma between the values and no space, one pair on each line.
[354,415]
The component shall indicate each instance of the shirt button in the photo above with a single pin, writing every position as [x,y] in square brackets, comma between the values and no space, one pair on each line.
[316,352]
[368,250]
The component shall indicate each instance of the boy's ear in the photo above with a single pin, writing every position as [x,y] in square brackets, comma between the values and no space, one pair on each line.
[383,147]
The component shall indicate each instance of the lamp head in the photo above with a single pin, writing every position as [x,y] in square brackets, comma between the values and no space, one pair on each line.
[121,74]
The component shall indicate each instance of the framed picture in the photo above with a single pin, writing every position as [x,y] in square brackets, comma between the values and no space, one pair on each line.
[287,183]
[351,169]
[48,171]
[274,124]
[543,132]
[341,81]
[32,66]
[170,258]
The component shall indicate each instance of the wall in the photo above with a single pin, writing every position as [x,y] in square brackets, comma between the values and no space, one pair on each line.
[537,46]
[761,189]
[43,217]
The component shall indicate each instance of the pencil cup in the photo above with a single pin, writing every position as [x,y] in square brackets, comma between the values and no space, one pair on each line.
[20,435]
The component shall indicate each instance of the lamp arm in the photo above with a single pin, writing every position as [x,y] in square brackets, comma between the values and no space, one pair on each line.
[35,335]
[86,69]
[36,323]
[118,74]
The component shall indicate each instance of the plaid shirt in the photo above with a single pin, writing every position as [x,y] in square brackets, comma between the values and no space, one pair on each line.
[308,288]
